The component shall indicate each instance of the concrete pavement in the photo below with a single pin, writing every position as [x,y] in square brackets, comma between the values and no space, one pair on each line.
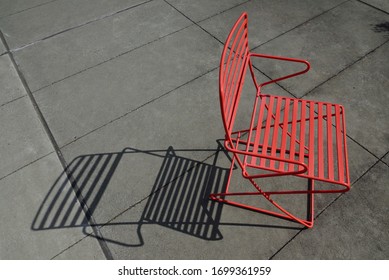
[110,125]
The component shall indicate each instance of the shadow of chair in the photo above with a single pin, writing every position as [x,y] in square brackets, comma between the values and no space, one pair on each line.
[178,199]
[382,27]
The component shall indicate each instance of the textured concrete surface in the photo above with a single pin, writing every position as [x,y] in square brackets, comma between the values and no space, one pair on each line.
[270,19]
[23,139]
[110,128]
[380,4]
[9,7]
[323,41]
[202,9]
[2,48]
[121,85]
[386,159]
[56,17]
[82,251]
[11,87]
[26,235]
[69,53]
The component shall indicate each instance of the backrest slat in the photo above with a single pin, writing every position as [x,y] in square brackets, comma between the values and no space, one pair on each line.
[232,84]
[233,67]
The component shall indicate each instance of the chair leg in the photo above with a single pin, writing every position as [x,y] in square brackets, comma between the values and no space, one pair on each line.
[220,197]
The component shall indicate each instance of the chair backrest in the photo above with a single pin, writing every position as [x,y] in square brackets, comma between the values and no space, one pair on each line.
[233,66]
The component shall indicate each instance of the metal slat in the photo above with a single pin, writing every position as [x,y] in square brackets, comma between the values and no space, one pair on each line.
[311,151]
[330,156]
[237,60]
[339,145]
[275,132]
[284,133]
[267,131]
[239,90]
[258,132]
[345,147]
[235,77]
[320,141]
[302,131]
[252,121]
[230,64]
[293,135]
[233,48]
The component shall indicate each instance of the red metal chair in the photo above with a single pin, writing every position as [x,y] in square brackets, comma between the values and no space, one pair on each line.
[286,136]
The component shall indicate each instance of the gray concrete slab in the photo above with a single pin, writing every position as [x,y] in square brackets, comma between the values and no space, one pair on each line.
[9,7]
[329,42]
[11,86]
[380,4]
[386,159]
[61,56]
[200,10]
[23,137]
[267,19]
[362,98]
[82,103]
[57,16]
[2,48]
[82,251]
[22,197]
[354,227]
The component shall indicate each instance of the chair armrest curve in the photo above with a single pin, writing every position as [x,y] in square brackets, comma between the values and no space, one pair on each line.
[308,66]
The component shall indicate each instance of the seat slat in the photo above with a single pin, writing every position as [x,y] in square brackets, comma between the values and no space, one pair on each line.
[295,115]
[265,142]
[284,133]
[346,171]
[302,131]
[258,129]
[330,156]
[311,136]
[275,131]
[339,144]
[320,158]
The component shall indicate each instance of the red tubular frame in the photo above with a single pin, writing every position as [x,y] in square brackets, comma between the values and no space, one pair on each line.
[262,154]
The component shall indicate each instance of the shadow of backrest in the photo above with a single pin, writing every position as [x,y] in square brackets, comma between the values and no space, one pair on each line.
[90,175]
[181,202]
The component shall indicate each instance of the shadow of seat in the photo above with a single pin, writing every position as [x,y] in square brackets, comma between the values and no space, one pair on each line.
[183,204]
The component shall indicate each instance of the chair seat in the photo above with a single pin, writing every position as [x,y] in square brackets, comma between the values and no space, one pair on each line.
[289,130]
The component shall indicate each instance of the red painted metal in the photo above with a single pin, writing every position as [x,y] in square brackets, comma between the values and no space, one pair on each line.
[286,136]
